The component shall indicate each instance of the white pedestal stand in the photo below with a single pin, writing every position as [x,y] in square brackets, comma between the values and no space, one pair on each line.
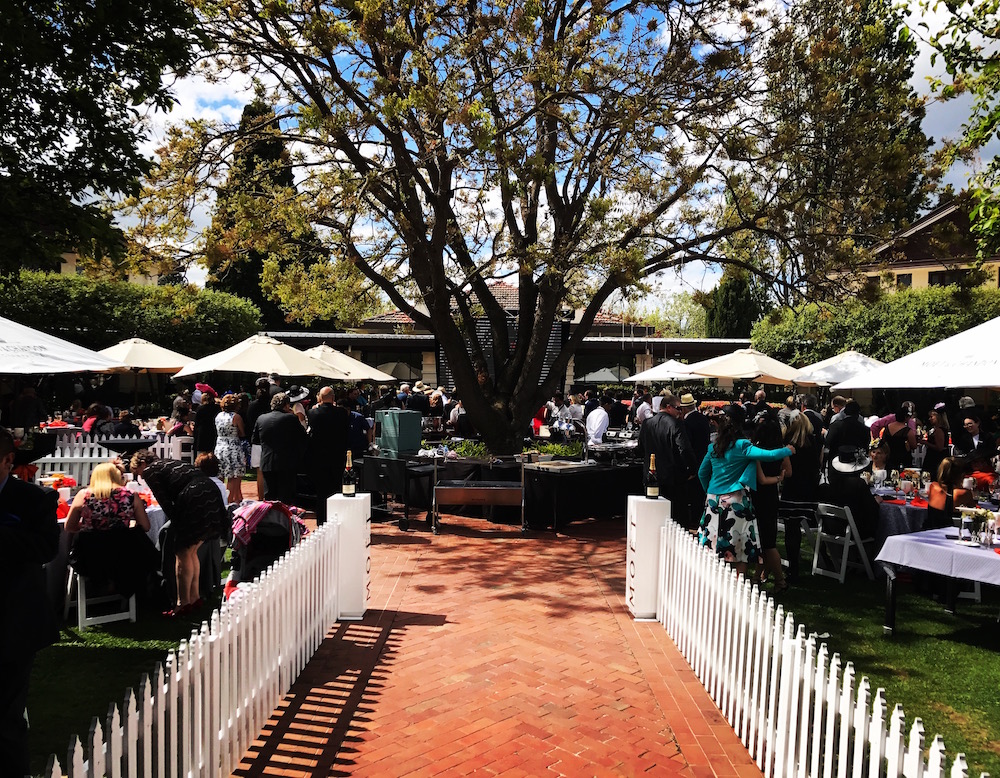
[354,515]
[642,558]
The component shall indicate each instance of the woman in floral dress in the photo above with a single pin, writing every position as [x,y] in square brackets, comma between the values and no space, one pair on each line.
[229,446]
[110,525]
[728,473]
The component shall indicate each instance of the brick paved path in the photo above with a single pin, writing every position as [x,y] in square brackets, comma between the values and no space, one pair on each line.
[486,652]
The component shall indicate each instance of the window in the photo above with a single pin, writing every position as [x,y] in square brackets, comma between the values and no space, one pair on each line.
[904,280]
[946,277]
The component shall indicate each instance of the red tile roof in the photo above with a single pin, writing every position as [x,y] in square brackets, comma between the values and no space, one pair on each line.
[505,294]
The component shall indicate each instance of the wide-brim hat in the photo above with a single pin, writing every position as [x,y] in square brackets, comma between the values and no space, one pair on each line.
[206,389]
[851,459]
[297,393]
[688,401]
[420,386]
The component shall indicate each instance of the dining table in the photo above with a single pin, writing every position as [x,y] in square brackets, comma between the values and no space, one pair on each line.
[939,551]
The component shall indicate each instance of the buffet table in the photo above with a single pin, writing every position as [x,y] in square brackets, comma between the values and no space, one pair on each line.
[560,492]
[554,493]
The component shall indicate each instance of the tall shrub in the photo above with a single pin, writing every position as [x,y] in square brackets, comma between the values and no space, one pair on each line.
[887,329]
[97,314]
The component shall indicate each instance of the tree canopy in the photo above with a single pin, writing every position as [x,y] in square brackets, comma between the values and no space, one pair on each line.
[73,76]
[573,149]
[849,148]
[969,44]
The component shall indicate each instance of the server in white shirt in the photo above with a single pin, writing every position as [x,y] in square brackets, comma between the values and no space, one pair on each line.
[597,421]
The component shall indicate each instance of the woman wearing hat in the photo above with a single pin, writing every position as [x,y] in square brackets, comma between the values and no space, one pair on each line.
[728,472]
[296,395]
[847,490]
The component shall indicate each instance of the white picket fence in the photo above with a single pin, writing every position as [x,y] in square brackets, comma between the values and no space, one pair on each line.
[797,711]
[78,456]
[199,712]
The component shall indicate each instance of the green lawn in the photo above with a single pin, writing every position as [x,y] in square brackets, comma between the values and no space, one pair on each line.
[77,679]
[944,669]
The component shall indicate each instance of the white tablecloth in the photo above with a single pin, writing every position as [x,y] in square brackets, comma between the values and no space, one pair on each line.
[932,551]
[157,518]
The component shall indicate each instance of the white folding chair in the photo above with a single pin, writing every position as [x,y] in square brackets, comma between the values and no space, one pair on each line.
[847,539]
[82,602]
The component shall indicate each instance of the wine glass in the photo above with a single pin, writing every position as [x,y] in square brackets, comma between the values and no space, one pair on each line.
[907,487]
[925,479]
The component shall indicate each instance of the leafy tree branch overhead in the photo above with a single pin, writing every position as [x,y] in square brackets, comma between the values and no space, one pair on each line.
[573,149]
[969,46]
[73,77]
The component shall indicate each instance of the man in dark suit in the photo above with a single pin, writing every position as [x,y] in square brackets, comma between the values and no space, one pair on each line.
[663,434]
[282,440]
[419,399]
[328,439]
[699,432]
[29,537]
[617,413]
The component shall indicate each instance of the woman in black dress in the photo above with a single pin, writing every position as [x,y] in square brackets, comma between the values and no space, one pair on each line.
[767,434]
[801,484]
[193,504]
[901,439]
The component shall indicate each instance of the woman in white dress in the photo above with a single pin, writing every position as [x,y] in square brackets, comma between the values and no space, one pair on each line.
[228,446]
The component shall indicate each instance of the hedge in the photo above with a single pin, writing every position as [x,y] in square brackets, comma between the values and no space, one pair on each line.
[889,328]
[98,314]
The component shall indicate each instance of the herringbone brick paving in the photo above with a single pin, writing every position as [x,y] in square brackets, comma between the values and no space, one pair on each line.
[489,652]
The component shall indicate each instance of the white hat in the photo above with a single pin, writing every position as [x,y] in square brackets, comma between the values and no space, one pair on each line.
[850,459]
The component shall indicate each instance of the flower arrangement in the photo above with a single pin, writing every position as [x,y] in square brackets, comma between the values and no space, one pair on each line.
[58,480]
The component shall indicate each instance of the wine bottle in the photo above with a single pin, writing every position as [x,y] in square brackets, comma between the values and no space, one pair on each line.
[349,486]
[652,485]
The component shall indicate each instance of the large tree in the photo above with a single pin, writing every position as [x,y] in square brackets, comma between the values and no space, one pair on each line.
[848,147]
[572,148]
[249,235]
[969,44]
[73,75]
[734,306]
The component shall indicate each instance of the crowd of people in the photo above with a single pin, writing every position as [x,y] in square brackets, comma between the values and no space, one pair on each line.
[726,472]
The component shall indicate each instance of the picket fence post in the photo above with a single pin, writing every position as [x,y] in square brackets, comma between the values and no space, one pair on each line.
[799,711]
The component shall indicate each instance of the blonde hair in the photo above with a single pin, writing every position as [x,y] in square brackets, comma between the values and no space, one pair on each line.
[800,431]
[229,402]
[105,479]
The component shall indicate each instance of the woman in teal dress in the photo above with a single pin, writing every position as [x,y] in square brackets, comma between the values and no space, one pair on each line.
[728,473]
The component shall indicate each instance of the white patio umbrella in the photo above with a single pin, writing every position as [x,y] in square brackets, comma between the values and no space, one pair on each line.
[141,356]
[747,364]
[837,369]
[970,359]
[261,354]
[26,351]
[354,368]
[671,370]
[402,371]
[147,357]
[603,376]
